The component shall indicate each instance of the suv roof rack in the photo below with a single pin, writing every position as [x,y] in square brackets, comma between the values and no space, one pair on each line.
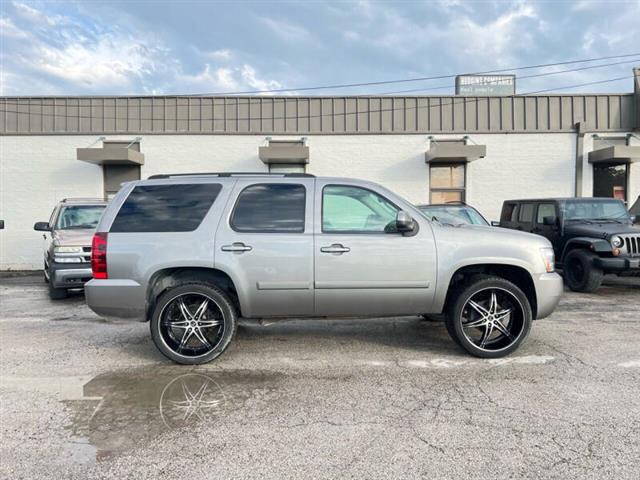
[232,174]
[83,200]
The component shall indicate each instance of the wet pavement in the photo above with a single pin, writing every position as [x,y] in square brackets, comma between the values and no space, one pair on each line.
[84,397]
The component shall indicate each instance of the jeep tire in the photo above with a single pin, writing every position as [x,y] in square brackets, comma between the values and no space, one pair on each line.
[580,273]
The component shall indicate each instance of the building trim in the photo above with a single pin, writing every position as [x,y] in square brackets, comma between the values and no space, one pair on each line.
[348,115]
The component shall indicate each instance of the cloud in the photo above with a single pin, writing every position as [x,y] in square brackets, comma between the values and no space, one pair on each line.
[60,54]
[223,54]
[285,30]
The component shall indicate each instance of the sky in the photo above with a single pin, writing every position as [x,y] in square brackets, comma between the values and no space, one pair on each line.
[119,47]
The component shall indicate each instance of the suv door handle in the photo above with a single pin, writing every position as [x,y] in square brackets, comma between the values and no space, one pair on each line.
[238,247]
[335,248]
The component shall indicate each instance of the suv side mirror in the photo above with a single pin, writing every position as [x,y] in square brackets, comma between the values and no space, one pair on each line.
[42,227]
[635,218]
[1,224]
[404,222]
[495,223]
[549,221]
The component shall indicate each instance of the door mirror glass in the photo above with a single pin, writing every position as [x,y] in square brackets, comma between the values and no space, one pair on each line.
[549,220]
[1,224]
[404,222]
[42,227]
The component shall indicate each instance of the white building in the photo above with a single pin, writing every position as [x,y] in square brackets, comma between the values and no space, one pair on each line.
[482,150]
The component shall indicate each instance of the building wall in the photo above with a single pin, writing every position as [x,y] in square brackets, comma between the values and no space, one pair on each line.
[38,171]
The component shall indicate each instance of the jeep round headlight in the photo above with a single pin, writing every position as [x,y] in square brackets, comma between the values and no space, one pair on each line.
[67,249]
[549,259]
[616,241]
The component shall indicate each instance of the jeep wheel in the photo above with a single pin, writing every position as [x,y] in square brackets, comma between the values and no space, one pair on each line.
[56,293]
[489,317]
[193,323]
[579,272]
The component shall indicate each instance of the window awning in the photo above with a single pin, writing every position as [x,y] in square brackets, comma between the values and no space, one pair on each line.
[112,153]
[284,152]
[440,152]
[615,153]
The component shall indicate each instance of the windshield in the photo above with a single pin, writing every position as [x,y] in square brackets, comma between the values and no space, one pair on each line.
[77,216]
[453,215]
[595,209]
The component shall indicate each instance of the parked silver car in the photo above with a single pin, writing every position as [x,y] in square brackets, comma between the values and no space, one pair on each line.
[192,253]
[67,240]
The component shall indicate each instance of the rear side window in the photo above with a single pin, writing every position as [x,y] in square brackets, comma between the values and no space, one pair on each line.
[508,211]
[166,208]
[270,207]
[545,210]
[526,212]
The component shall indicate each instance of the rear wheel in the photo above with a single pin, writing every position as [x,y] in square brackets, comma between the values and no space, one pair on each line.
[193,323]
[579,272]
[489,317]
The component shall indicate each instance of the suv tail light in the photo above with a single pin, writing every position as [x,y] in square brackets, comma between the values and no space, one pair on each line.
[99,255]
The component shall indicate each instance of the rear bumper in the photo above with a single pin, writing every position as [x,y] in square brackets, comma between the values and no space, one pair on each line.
[549,289]
[69,276]
[116,298]
[617,264]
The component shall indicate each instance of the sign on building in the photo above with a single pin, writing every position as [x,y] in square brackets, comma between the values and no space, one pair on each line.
[486,85]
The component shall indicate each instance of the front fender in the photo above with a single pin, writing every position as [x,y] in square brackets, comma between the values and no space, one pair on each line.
[598,245]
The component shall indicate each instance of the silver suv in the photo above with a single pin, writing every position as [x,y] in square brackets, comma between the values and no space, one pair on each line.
[193,252]
[67,243]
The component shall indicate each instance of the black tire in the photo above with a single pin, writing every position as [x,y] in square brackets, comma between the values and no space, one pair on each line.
[517,324]
[57,293]
[164,334]
[580,274]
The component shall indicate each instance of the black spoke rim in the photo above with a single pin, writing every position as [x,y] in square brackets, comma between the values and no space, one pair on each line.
[493,319]
[191,325]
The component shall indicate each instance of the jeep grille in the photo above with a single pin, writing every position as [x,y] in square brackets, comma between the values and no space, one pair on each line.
[632,245]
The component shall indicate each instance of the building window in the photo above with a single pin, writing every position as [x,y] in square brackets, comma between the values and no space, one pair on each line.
[286,168]
[610,180]
[447,182]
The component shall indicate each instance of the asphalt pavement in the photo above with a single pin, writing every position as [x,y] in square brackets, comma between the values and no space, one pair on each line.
[84,397]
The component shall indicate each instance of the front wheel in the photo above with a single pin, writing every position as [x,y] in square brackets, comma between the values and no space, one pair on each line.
[489,317]
[580,274]
[193,323]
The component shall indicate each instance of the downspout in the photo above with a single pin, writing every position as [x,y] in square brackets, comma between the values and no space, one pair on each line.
[636,95]
[581,131]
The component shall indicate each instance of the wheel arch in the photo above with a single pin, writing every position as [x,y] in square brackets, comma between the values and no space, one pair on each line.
[171,277]
[596,245]
[516,274]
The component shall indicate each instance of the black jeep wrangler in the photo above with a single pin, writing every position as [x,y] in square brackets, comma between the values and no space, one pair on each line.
[590,236]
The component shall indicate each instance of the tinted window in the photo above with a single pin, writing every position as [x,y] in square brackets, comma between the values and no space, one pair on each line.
[354,209]
[526,212]
[165,208]
[274,207]
[545,210]
[508,211]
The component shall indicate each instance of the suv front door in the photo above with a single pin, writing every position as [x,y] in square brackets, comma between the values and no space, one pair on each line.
[265,239]
[360,269]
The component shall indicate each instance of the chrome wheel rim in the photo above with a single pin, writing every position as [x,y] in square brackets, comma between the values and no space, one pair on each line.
[191,325]
[493,319]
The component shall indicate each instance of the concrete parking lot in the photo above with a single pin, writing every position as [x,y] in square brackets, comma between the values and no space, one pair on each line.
[84,397]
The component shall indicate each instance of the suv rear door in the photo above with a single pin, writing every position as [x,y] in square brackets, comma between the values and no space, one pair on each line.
[360,269]
[551,232]
[265,240]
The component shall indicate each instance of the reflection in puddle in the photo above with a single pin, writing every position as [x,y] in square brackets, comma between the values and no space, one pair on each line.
[120,410]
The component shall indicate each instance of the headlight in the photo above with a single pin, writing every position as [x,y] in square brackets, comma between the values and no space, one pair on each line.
[616,241]
[67,250]
[549,259]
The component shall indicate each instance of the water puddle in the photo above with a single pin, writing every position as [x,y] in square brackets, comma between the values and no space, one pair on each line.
[120,410]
